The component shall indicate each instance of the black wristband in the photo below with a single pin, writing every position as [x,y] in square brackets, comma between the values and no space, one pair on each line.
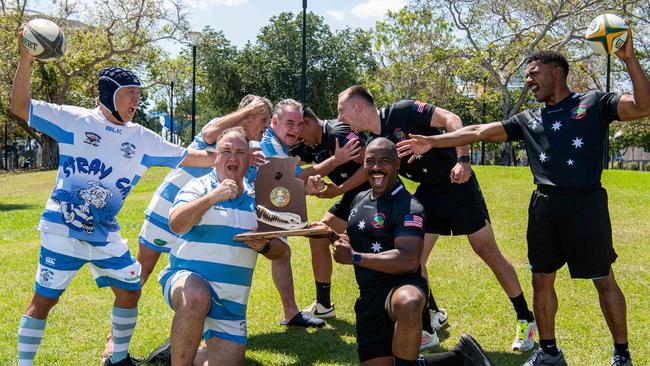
[266,248]
[463,159]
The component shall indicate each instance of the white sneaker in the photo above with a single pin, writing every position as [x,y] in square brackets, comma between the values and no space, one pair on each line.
[524,336]
[438,319]
[319,311]
[429,340]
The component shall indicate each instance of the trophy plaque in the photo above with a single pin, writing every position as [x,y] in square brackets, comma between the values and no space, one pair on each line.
[281,203]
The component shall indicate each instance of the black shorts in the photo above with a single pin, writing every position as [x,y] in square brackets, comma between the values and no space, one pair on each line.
[374,327]
[572,228]
[342,207]
[453,209]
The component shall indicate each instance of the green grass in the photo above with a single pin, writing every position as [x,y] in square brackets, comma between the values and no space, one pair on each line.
[462,283]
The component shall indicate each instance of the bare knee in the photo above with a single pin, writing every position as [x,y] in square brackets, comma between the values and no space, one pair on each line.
[407,302]
[607,284]
[192,299]
[284,260]
[39,307]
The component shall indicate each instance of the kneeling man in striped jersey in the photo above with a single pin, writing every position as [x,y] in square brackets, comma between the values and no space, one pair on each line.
[208,279]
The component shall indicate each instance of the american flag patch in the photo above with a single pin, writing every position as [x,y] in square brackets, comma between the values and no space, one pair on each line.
[413,221]
[419,106]
[351,136]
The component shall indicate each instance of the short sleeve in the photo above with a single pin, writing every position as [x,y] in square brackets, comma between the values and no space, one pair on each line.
[303,152]
[343,133]
[608,105]
[56,121]
[191,191]
[513,128]
[417,112]
[161,152]
[410,221]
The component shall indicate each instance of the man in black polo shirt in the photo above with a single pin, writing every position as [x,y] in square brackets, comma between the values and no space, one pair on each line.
[384,242]
[568,218]
[448,190]
[320,140]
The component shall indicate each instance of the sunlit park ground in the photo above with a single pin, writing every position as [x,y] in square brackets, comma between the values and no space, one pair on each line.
[463,284]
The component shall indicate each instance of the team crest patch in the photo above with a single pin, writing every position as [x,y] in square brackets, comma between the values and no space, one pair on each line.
[46,275]
[579,112]
[378,220]
[92,138]
[128,150]
[399,134]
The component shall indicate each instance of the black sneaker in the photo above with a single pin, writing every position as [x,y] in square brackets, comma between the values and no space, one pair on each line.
[473,354]
[619,360]
[541,358]
[304,320]
[128,361]
[161,355]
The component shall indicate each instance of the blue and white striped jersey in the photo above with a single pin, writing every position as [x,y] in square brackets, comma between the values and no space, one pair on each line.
[99,163]
[209,249]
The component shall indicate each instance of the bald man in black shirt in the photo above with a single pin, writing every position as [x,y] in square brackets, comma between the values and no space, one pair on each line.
[568,216]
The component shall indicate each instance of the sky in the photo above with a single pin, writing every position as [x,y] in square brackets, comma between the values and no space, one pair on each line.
[240,20]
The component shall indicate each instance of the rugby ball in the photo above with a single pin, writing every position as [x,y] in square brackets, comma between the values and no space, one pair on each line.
[44,40]
[606,34]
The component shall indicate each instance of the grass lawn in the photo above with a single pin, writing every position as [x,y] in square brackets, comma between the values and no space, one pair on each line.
[461,282]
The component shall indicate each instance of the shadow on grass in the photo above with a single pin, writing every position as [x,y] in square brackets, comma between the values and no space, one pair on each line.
[309,347]
[15,206]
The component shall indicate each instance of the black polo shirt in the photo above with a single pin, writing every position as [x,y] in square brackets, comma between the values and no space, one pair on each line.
[412,116]
[374,224]
[564,142]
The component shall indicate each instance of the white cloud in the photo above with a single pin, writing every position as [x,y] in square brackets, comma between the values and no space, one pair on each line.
[338,15]
[376,8]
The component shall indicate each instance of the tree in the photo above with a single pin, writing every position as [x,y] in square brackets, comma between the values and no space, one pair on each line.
[113,32]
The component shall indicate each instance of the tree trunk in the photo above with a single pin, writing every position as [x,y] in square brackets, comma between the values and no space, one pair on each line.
[49,152]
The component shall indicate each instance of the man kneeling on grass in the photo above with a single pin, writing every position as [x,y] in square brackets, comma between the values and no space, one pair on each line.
[383,241]
[208,279]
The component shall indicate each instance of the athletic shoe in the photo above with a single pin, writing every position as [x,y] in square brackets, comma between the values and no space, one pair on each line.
[618,360]
[128,361]
[320,311]
[438,319]
[541,358]
[473,354]
[524,335]
[429,340]
[161,355]
[304,320]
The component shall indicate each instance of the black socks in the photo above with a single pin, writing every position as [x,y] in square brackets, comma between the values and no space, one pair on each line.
[323,294]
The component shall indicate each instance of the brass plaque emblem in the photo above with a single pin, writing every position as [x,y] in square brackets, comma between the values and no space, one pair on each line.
[280,196]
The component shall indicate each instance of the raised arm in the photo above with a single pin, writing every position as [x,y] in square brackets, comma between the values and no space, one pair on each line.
[637,105]
[215,127]
[418,145]
[342,155]
[198,159]
[20,98]
[451,122]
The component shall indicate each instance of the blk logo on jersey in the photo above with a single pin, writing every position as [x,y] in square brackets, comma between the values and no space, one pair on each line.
[579,112]
[114,130]
[378,220]
[92,138]
[399,134]
[128,150]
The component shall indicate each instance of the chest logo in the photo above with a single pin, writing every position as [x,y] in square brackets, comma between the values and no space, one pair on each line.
[579,112]
[399,134]
[378,220]
[128,150]
[92,138]
[280,196]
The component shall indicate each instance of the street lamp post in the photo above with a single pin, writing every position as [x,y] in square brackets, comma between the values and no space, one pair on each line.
[194,40]
[303,73]
[171,76]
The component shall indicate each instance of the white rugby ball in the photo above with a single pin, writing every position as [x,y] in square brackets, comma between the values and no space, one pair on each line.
[44,40]
[606,34]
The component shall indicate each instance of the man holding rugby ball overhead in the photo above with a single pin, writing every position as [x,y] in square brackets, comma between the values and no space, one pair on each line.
[568,218]
[102,155]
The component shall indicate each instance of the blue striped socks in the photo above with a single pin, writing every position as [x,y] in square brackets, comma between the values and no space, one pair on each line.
[30,333]
[123,321]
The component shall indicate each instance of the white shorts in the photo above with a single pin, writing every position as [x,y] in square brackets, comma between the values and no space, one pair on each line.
[61,257]
[156,236]
[219,322]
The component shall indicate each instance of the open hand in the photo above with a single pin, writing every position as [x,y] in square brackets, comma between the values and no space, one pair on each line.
[415,146]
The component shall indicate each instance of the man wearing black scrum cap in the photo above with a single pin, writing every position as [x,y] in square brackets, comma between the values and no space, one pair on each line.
[103,156]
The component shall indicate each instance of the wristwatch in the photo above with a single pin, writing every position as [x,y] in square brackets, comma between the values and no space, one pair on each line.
[463,159]
[356,259]
[266,248]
